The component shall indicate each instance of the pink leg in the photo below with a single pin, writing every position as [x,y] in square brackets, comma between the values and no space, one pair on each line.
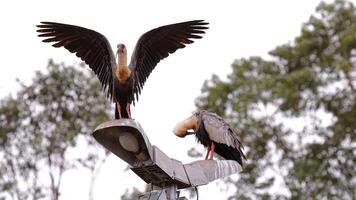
[128,110]
[118,106]
[212,151]
[207,153]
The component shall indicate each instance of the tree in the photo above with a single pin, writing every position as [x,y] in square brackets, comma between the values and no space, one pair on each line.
[42,124]
[296,112]
[134,194]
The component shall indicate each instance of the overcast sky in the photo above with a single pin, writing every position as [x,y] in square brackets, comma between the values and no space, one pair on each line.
[237,29]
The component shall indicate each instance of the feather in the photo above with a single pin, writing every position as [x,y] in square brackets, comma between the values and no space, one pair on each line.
[157,44]
[91,46]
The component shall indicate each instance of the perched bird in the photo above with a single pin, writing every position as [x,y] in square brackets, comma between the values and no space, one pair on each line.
[213,132]
[122,82]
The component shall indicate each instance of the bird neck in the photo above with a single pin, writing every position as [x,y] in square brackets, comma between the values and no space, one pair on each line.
[122,59]
[122,70]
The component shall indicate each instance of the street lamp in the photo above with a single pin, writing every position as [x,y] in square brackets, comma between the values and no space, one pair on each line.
[126,139]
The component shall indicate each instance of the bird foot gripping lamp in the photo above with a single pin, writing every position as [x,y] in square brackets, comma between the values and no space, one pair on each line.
[126,139]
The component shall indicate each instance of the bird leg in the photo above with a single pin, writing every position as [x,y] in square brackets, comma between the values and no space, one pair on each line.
[207,153]
[128,110]
[118,109]
[212,147]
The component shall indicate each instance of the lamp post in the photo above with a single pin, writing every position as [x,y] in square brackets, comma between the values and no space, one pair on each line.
[126,139]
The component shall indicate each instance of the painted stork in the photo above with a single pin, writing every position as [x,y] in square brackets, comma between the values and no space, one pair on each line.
[214,133]
[121,82]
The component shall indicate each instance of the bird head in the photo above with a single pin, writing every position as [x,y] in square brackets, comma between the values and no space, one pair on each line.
[121,48]
[186,126]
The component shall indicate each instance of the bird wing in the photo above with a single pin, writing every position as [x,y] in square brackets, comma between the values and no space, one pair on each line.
[92,47]
[219,131]
[157,44]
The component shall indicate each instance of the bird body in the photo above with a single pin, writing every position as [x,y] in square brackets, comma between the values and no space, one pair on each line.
[122,90]
[122,82]
[214,133]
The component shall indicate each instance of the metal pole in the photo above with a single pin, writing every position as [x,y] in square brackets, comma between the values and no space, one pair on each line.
[168,193]
[171,192]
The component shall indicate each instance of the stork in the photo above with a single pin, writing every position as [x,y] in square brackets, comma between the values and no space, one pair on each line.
[122,82]
[214,133]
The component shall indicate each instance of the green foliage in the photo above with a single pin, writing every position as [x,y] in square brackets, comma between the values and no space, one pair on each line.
[133,195]
[42,124]
[296,113]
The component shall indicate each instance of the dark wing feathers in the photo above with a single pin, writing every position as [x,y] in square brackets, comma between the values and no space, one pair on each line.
[157,44]
[92,47]
[229,153]
[220,132]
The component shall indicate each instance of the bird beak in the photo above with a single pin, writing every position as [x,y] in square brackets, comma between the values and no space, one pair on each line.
[189,133]
[181,129]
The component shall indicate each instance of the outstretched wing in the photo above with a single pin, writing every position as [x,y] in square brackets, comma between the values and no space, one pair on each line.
[219,131]
[92,47]
[157,44]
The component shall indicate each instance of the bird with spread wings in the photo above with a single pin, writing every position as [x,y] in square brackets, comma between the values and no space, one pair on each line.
[122,82]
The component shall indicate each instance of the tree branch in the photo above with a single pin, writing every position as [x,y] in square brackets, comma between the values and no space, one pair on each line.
[95,173]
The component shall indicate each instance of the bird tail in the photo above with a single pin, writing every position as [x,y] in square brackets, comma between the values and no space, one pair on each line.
[229,153]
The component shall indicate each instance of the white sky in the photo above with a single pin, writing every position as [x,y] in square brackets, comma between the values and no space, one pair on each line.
[237,29]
